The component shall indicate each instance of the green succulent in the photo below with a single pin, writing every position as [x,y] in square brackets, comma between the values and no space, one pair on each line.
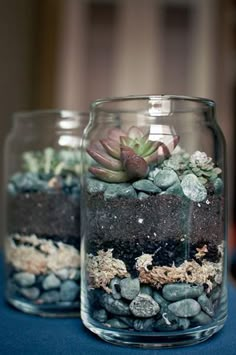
[124,156]
[51,161]
[198,164]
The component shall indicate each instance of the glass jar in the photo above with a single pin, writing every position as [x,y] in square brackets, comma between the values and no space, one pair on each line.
[42,245]
[153,222]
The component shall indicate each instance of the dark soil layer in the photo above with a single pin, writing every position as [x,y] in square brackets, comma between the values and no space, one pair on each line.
[55,216]
[170,226]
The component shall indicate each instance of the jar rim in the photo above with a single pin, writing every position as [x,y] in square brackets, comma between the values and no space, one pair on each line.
[130,98]
[64,113]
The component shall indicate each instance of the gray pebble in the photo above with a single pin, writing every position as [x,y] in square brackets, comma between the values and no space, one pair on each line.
[185,308]
[145,325]
[142,195]
[175,189]
[69,291]
[95,186]
[63,274]
[215,294]
[159,299]
[165,178]
[119,190]
[100,315]
[144,306]
[127,192]
[116,323]
[168,321]
[193,189]
[113,306]
[184,323]
[176,292]
[24,279]
[32,293]
[201,319]
[146,186]
[218,185]
[51,281]
[127,320]
[206,304]
[50,296]
[147,290]
[129,288]
[115,287]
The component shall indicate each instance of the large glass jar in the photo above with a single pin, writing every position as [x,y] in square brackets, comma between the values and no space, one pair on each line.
[153,221]
[42,245]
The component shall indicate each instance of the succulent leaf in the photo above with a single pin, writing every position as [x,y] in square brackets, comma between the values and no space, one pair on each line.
[123,157]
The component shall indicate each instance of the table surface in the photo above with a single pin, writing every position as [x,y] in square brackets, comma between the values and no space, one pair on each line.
[25,334]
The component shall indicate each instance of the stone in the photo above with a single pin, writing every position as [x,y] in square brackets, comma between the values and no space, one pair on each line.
[51,281]
[218,185]
[201,319]
[50,297]
[74,274]
[115,287]
[100,315]
[129,288]
[206,304]
[215,294]
[144,306]
[159,299]
[185,308]
[28,181]
[119,190]
[116,323]
[63,274]
[94,186]
[32,293]
[176,292]
[117,307]
[175,189]
[167,322]
[142,195]
[145,185]
[147,290]
[127,320]
[144,325]
[11,189]
[165,178]
[193,189]
[69,291]
[24,279]
[184,323]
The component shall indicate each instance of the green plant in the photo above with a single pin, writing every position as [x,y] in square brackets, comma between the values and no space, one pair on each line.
[127,156]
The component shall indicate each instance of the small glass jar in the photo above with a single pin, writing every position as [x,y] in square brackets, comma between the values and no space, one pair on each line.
[42,244]
[153,221]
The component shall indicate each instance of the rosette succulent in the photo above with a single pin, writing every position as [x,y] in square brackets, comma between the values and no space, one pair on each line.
[127,156]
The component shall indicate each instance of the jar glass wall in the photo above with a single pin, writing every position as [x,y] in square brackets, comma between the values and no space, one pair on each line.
[153,221]
[42,244]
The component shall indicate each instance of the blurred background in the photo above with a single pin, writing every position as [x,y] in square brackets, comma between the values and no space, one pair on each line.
[66,53]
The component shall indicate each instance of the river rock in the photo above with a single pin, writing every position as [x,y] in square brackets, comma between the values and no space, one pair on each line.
[32,293]
[193,189]
[51,281]
[115,287]
[147,290]
[24,279]
[176,292]
[129,288]
[175,189]
[119,190]
[127,320]
[185,308]
[165,178]
[145,185]
[50,297]
[100,315]
[116,323]
[184,323]
[215,294]
[142,195]
[118,307]
[94,186]
[69,291]
[206,304]
[159,299]
[144,306]
[218,185]
[144,325]
[201,319]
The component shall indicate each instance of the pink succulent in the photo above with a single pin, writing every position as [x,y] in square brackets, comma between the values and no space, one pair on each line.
[127,156]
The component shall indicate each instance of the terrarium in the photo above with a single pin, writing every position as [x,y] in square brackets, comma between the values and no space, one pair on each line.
[42,244]
[153,221]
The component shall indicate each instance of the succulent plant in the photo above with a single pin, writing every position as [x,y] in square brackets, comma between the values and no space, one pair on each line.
[50,161]
[127,156]
[198,164]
